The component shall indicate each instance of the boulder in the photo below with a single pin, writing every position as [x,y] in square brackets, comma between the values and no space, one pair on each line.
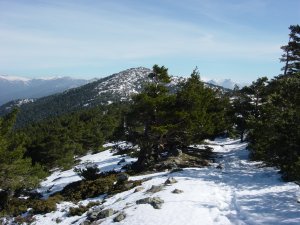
[144,201]
[156,202]
[138,189]
[86,222]
[93,215]
[178,152]
[128,185]
[121,161]
[121,216]
[105,213]
[170,180]
[155,188]
[177,191]
[220,166]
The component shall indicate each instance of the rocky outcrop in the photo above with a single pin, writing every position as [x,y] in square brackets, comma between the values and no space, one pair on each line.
[156,202]
[170,180]
[98,213]
[155,188]
[138,189]
[121,216]
[177,191]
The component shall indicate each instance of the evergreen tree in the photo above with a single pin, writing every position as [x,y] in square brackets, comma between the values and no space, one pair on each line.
[161,121]
[200,112]
[146,121]
[240,111]
[291,55]
[275,131]
[17,172]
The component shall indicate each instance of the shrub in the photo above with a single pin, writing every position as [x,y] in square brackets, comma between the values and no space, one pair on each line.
[77,211]
[88,173]
[88,188]
[17,206]
[29,219]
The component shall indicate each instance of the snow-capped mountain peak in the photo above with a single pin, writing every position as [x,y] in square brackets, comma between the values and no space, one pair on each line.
[13,78]
[14,87]
[226,83]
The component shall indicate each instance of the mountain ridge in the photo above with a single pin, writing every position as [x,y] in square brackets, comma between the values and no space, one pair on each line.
[13,87]
[117,87]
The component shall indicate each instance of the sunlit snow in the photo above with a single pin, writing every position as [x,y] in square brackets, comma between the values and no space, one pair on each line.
[243,192]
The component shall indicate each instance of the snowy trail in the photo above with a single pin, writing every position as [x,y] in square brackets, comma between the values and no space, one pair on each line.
[243,192]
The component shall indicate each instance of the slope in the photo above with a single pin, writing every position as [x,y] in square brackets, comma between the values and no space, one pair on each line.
[242,192]
[118,87]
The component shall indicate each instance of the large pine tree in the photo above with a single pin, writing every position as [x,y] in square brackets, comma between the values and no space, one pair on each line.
[291,55]
[164,121]
[275,130]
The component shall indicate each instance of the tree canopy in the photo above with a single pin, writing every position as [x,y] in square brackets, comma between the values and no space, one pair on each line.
[162,121]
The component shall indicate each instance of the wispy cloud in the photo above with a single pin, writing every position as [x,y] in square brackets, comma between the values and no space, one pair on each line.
[56,34]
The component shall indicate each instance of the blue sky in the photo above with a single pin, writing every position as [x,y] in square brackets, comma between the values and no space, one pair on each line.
[237,39]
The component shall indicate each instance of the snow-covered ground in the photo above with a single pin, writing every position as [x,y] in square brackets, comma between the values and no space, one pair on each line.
[243,192]
[105,161]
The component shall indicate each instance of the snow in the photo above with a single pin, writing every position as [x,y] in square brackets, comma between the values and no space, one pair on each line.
[24,101]
[105,161]
[243,192]
[14,78]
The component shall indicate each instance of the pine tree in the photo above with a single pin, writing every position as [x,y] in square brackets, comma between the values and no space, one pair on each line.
[200,111]
[17,172]
[145,122]
[275,130]
[291,55]
[161,121]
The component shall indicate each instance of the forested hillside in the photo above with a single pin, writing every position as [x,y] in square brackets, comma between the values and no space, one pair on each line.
[116,88]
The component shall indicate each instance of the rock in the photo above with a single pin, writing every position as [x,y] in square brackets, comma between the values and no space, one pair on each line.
[121,161]
[177,191]
[156,202]
[178,152]
[128,185]
[220,166]
[120,217]
[176,161]
[96,222]
[122,177]
[93,215]
[105,213]
[144,201]
[155,188]
[170,180]
[86,222]
[138,189]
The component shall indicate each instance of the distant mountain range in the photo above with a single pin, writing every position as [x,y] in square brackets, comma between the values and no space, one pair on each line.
[226,83]
[115,88]
[12,88]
